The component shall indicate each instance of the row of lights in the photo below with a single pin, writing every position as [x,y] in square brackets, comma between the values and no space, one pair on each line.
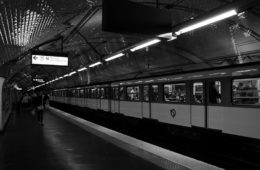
[189,77]
[145,44]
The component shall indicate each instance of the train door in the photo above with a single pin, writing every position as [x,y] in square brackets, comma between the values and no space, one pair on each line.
[113,98]
[215,109]
[146,103]
[198,104]
[98,99]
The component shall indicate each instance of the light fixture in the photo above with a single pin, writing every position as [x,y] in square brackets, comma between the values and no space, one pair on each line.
[168,36]
[73,72]
[245,71]
[208,21]
[196,76]
[146,44]
[215,74]
[95,64]
[82,69]
[114,56]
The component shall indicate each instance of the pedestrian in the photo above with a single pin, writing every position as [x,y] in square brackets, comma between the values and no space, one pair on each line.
[46,99]
[39,106]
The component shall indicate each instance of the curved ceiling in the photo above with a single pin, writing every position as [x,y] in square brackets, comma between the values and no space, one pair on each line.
[75,27]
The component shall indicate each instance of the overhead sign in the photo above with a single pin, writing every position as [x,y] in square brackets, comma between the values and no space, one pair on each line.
[39,80]
[49,60]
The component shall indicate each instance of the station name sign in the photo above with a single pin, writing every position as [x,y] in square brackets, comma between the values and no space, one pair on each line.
[40,59]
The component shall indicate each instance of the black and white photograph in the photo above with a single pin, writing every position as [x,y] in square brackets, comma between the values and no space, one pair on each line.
[129,84]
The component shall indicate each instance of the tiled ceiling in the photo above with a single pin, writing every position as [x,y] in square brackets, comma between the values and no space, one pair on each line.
[26,23]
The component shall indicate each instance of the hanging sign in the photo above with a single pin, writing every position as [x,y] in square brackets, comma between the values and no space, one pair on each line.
[38,59]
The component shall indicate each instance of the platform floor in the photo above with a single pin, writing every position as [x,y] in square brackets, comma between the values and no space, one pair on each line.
[26,145]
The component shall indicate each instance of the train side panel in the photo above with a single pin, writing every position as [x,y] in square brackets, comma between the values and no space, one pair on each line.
[216,117]
[104,104]
[132,109]
[177,114]
[146,109]
[198,115]
[91,103]
[241,121]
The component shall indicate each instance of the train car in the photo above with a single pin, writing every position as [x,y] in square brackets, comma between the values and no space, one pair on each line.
[225,100]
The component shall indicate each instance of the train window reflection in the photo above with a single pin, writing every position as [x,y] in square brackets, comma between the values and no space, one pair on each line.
[215,92]
[246,91]
[154,93]
[175,92]
[103,93]
[115,93]
[73,93]
[81,93]
[121,93]
[133,93]
[197,93]
[94,93]
[86,92]
[146,93]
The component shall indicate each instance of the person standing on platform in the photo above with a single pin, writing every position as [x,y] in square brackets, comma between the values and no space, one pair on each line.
[46,99]
[38,100]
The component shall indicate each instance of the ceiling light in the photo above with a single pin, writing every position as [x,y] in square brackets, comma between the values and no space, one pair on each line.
[95,64]
[244,71]
[214,74]
[82,69]
[114,56]
[168,36]
[207,21]
[146,44]
[195,76]
[73,72]
[177,78]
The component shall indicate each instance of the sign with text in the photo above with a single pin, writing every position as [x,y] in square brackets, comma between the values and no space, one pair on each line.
[38,59]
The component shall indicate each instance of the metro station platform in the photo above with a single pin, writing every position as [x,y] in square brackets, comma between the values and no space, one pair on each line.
[67,142]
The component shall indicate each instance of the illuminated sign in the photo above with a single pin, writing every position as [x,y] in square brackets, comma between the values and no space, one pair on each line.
[39,80]
[49,60]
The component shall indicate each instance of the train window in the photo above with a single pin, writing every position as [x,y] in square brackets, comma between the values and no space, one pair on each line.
[197,93]
[88,93]
[98,93]
[81,93]
[246,91]
[85,93]
[146,93]
[73,93]
[76,93]
[215,92]
[115,93]
[175,92]
[94,93]
[121,93]
[103,93]
[155,93]
[133,93]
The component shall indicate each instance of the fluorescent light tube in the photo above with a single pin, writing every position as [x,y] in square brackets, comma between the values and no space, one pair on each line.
[167,36]
[95,64]
[73,72]
[114,56]
[146,44]
[207,21]
[82,69]
[244,71]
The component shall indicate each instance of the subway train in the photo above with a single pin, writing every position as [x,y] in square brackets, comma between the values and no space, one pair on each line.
[224,100]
